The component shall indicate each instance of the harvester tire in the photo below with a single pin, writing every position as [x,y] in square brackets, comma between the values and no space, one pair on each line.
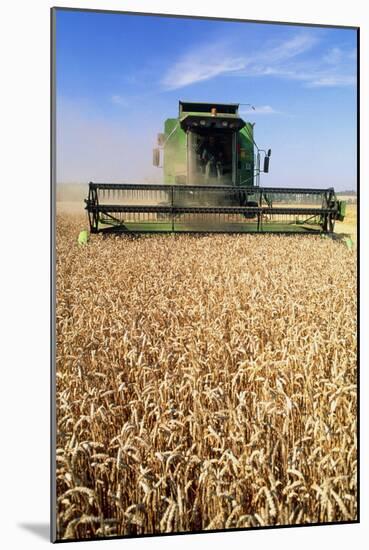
[250,215]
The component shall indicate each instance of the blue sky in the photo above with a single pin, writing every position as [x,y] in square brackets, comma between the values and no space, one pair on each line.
[120,76]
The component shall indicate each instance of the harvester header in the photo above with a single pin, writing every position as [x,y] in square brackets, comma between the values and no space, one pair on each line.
[211,171]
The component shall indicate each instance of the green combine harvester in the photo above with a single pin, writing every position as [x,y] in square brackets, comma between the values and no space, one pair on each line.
[212,168]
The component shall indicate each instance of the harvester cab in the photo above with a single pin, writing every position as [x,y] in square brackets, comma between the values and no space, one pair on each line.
[209,144]
[211,171]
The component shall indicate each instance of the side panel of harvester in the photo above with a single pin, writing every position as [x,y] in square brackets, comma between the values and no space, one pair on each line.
[175,153]
[246,156]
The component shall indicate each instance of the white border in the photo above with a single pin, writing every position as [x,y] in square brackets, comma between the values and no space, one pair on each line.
[24,256]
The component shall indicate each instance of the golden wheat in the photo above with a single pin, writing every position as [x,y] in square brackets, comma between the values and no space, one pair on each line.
[203,382]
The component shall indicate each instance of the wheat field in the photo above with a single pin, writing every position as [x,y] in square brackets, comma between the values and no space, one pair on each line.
[203,382]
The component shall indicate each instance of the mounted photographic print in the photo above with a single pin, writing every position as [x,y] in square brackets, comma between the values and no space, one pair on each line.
[204,259]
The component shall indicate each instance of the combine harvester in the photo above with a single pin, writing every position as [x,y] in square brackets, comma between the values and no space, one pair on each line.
[212,168]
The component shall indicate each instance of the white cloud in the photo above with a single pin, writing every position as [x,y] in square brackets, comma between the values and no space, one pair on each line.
[119,100]
[333,56]
[288,49]
[259,110]
[199,65]
[329,81]
[283,60]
